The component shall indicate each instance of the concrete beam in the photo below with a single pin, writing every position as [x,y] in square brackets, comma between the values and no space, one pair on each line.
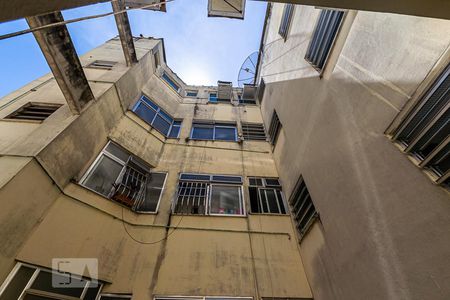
[59,51]
[12,10]
[126,37]
[424,8]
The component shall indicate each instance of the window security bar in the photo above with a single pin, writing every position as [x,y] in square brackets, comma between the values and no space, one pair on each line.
[130,188]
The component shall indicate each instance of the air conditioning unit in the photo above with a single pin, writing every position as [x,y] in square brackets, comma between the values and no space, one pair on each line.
[224,90]
[140,3]
[226,8]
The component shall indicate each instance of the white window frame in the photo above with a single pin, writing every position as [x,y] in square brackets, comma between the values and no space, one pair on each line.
[33,277]
[94,165]
[210,183]
[214,124]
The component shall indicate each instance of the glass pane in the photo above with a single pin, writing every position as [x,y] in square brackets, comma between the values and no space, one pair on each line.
[174,132]
[149,102]
[103,176]
[227,179]
[18,283]
[157,180]
[225,134]
[254,201]
[166,116]
[92,291]
[43,282]
[202,133]
[117,152]
[151,200]
[225,200]
[170,82]
[161,125]
[272,201]
[145,113]
[195,177]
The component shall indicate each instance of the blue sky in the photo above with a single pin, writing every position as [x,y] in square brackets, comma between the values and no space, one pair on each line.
[199,49]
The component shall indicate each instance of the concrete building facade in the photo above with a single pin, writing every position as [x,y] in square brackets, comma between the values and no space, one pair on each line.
[296,189]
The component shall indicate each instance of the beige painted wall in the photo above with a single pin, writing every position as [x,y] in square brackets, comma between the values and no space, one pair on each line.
[383,222]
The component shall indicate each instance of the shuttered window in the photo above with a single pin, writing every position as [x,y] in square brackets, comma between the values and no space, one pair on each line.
[286,20]
[34,111]
[323,37]
[274,129]
[253,131]
[302,207]
[425,132]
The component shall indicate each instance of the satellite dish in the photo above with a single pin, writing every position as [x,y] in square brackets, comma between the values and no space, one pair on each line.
[247,72]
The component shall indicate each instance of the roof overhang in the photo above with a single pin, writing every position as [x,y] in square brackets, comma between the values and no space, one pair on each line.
[226,8]
[140,3]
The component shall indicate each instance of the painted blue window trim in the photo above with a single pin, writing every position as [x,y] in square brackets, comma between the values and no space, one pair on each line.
[174,125]
[213,97]
[171,82]
[191,93]
[214,127]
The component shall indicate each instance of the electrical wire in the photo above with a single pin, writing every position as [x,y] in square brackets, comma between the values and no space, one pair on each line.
[149,243]
[25,31]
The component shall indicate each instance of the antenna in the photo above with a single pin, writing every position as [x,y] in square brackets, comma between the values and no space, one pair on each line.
[247,72]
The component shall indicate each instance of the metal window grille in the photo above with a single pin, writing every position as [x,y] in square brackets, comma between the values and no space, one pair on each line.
[286,20]
[253,131]
[323,37]
[193,193]
[34,111]
[102,64]
[274,129]
[302,207]
[425,132]
[156,117]
[130,187]
[266,196]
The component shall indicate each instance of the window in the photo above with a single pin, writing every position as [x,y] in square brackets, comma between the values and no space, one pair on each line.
[214,131]
[34,111]
[191,93]
[102,64]
[424,132]
[275,128]
[286,20]
[261,89]
[156,59]
[114,297]
[126,179]
[171,82]
[265,196]
[302,207]
[246,101]
[213,97]
[323,37]
[203,194]
[253,131]
[151,113]
[30,282]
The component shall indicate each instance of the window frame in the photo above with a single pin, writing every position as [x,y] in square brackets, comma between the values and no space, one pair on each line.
[192,92]
[314,217]
[215,97]
[274,128]
[266,186]
[209,183]
[214,124]
[157,113]
[38,269]
[406,117]
[44,105]
[286,20]
[168,79]
[96,162]
[315,40]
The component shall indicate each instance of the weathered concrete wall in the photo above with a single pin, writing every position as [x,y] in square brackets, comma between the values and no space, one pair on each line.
[382,221]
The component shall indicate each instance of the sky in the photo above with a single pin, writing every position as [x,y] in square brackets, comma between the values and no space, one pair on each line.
[199,49]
